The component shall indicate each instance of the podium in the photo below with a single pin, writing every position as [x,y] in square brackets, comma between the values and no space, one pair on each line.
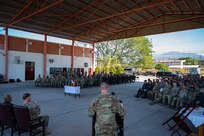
[119,121]
[72,90]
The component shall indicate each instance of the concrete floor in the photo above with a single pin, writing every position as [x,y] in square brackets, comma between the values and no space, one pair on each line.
[68,116]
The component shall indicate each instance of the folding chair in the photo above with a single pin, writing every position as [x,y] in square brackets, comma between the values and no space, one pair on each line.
[24,122]
[7,118]
[179,118]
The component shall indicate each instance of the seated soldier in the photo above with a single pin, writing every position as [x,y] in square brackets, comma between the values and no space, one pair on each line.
[200,98]
[149,88]
[141,90]
[154,91]
[38,81]
[165,92]
[191,95]
[34,110]
[8,99]
[173,93]
[181,99]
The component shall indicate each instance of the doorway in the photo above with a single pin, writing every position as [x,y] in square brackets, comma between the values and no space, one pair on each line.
[29,70]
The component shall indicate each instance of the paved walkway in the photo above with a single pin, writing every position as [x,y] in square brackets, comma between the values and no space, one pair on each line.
[68,116]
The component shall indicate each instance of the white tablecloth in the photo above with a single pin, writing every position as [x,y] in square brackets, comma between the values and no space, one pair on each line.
[72,89]
[196,117]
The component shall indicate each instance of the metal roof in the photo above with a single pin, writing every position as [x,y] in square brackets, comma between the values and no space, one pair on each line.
[101,20]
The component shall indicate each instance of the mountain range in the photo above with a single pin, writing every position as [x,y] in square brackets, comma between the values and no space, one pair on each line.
[176,55]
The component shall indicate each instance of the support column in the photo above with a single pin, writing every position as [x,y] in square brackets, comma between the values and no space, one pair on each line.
[6,53]
[92,69]
[45,56]
[72,65]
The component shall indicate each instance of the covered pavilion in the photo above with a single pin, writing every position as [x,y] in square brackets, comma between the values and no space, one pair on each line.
[94,21]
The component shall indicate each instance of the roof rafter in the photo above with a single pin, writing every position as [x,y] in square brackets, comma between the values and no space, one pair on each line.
[177,8]
[101,11]
[123,20]
[35,12]
[20,12]
[161,23]
[124,7]
[163,4]
[188,7]
[144,22]
[74,15]
[91,14]
[199,5]
[95,28]
[107,32]
[119,14]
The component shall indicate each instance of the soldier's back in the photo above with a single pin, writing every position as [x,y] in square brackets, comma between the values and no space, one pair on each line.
[105,105]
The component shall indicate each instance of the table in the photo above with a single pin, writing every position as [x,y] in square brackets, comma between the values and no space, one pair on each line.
[72,90]
[197,119]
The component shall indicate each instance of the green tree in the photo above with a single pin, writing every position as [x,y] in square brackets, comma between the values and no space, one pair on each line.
[162,67]
[112,70]
[97,69]
[119,70]
[128,52]
[189,61]
[106,69]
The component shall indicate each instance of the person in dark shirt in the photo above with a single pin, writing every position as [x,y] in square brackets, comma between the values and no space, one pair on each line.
[8,101]
[200,98]
[141,90]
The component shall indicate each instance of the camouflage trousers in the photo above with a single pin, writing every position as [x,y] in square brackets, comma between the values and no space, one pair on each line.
[174,101]
[164,98]
[178,102]
[45,118]
[105,133]
[158,97]
[170,98]
[151,94]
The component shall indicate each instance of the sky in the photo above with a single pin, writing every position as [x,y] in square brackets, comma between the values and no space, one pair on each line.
[190,41]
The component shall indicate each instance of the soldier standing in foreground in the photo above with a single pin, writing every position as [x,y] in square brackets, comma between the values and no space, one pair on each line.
[105,107]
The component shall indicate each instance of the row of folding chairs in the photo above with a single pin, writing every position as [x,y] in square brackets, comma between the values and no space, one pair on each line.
[179,121]
[17,118]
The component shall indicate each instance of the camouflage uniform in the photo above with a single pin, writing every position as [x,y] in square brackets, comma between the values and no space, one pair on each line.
[173,93]
[166,92]
[154,92]
[158,95]
[191,96]
[38,81]
[105,107]
[34,110]
[180,100]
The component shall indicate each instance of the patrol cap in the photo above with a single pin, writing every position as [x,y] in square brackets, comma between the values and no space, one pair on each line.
[26,95]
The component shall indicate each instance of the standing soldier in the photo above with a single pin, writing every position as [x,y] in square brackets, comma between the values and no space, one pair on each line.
[105,107]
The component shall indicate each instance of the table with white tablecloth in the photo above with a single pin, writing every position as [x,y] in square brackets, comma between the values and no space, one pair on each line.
[72,90]
[197,119]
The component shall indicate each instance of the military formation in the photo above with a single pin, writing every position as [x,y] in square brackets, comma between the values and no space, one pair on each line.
[59,80]
[174,91]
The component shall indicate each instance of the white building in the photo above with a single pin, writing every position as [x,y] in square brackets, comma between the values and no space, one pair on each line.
[26,60]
